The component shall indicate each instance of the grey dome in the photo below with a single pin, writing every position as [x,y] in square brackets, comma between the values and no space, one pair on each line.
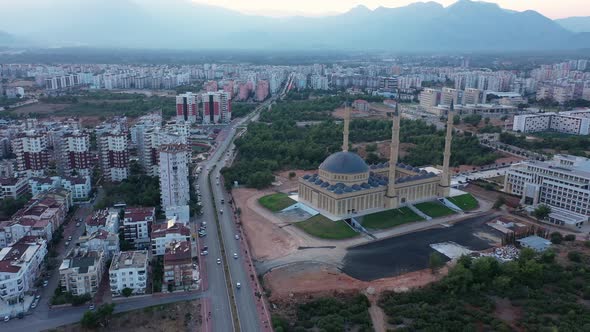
[344,163]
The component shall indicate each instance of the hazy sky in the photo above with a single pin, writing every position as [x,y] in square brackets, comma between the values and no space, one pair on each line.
[550,8]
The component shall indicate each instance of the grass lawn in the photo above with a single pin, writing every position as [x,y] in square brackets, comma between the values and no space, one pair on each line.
[322,227]
[466,202]
[434,209]
[276,202]
[390,218]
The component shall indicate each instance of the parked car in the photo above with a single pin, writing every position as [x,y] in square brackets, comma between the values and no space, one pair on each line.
[77,224]
[91,306]
[6,318]
[38,296]
[67,243]
[70,238]
[204,253]
[235,255]
[238,285]
[45,283]
[237,237]
[218,261]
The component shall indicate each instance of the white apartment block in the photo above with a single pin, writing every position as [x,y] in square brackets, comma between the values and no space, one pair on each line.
[449,95]
[114,155]
[81,271]
[571,122]
[137,224]
[429,98]
[164,234]
[147,139]
[563,183]
[80,186]
[129,269]
[13,187]
[20,265]
[174,173]
[472,96]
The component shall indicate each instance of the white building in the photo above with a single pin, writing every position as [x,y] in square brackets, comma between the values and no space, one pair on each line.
[575,122]
[13,187]
[80,186]
[137,224]
[81,271]
[187,107]
[562,183]
[101,240]
[429,98]
[164,234]
[174,173]
[129,269]
[20,265]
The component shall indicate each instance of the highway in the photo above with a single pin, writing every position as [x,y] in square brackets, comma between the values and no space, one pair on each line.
[214,277]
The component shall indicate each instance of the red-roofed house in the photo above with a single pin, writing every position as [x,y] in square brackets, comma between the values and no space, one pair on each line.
[164,234]
[178,268]
[19,267]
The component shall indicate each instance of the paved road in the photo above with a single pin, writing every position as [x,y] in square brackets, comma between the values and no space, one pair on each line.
[44,320]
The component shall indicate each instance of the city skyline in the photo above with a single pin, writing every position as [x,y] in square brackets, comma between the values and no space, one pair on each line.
[549,8]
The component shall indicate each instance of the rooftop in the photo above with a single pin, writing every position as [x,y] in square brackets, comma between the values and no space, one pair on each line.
[139,214]
[129,259]
[344,163]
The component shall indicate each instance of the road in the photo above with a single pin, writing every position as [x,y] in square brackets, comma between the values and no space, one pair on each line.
[215,280]
[46,320]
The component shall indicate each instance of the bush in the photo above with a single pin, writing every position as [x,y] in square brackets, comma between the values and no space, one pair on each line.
[574,256]
[556,238]
[569,237]
[127,292]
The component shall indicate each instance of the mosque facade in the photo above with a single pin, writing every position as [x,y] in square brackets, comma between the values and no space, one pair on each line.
[345,185]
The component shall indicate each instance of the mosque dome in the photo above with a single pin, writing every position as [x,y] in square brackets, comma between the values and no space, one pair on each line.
[344,163]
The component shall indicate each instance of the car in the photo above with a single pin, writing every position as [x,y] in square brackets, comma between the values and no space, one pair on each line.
[217,183]
[34,305]
[202,234]
[91,306]
[222,201]
[6,318]
[204,253]
[198,187]
[45,283]
[237,237]
[37,297]
[67,243]
[235,255]
[221,211]
[77,224]
[218,261]
[238,285]
[204,223]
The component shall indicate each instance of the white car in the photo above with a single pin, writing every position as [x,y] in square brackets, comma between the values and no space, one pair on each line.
[217,182]
[238,285]
[70,238]
[221,211]
[34,305]
[237,237]
[91,307]
[6,318]
[218,261]
[38,296]
[204,253]
[235,255]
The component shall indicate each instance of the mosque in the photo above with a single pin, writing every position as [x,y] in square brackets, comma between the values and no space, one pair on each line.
[346,186]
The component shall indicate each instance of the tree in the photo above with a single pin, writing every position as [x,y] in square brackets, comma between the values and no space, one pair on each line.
[435,261]
[127,292]
[499,202]
[574,256]
[541,212]
[292,175]
[556,238]
[98,318]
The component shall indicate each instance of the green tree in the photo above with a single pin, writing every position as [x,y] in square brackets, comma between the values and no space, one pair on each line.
[435,261]
[499,202]
[127,292]
[556,238]
[542,211]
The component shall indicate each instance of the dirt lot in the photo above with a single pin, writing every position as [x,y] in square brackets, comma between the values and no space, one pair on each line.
[40,108]
[303,279]
[180,316]
[354,114]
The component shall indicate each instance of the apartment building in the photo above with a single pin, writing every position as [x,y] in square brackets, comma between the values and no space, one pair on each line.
[81,271]
[114,155]
[575,122]
[449,95]
[75,153]
[79,186]
[472,96]
[562,183]
[178,265]
[100,240]
[148,141]
[13,187]
[105,219]
[361,105]
[137,224]
[129,269]
[429,98]
[20,266]
[32,153]
[174,185]
[187,107]
[164,234]
[216,107]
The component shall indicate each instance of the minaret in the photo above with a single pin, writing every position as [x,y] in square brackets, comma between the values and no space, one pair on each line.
[346,124]
[393,156]
[445,180]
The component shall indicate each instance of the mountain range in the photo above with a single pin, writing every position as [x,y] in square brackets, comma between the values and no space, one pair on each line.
[575,24]
[180,24]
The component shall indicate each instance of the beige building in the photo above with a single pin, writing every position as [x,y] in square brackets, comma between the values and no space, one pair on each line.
[471,96]
[429,98]
[81,271]
[345,185]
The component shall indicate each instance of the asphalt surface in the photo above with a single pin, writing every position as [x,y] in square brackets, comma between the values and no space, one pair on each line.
[410,252]
[217,283]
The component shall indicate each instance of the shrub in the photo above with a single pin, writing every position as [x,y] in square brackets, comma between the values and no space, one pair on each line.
[556,238]
[569,237]
[574,256]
